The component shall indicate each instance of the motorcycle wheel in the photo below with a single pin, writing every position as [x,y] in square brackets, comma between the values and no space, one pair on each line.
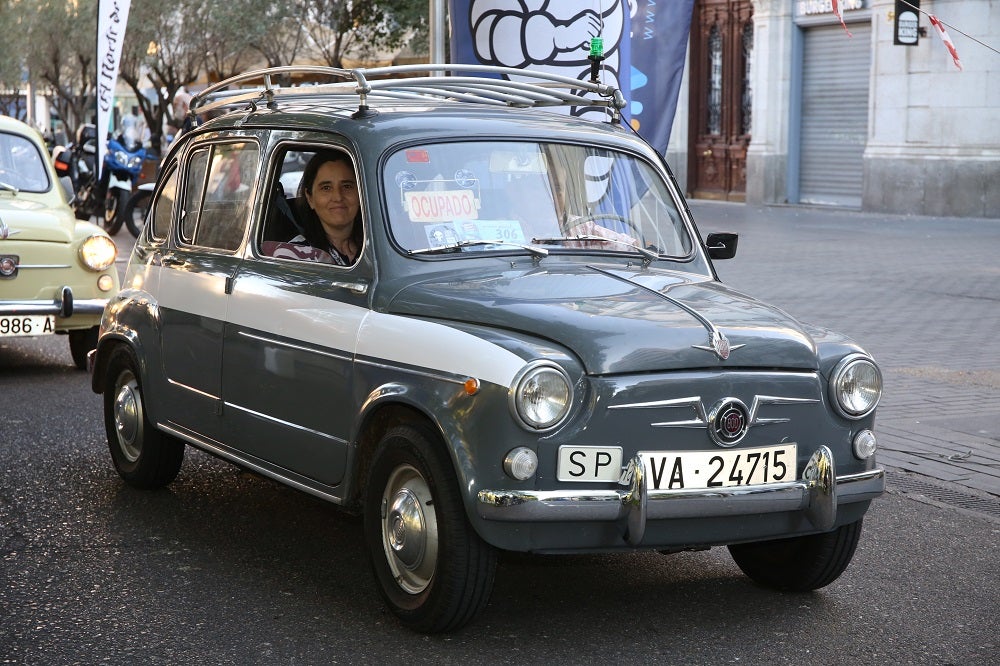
[135,211]
[114,206]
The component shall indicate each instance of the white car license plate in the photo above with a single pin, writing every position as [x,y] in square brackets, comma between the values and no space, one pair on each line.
[12,326]
[589,463]
[719,469]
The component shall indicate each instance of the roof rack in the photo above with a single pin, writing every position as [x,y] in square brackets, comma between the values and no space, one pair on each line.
[520,88]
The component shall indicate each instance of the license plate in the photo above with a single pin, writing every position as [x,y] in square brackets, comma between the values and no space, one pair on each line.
[589,463]
[719,469]
[12,326]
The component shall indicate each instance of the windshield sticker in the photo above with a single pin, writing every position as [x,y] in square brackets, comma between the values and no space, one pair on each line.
[439,235]
[441,206]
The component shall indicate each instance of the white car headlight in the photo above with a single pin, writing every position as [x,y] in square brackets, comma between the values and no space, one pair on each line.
[856,385]
[541,396]
[98,252]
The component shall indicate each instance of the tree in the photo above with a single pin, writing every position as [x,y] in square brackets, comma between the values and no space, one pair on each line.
[338,29]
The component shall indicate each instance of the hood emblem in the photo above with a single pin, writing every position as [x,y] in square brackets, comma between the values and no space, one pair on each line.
[5,231]
[718,343]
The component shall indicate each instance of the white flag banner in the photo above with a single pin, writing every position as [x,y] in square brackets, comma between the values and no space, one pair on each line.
[112,17]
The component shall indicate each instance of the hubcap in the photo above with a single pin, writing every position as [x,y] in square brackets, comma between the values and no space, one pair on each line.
[409,529]
[128,418]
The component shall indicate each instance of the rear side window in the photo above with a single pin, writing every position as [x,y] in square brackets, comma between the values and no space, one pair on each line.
[218,194]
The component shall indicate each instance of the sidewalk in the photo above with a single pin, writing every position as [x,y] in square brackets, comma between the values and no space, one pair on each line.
[923,296]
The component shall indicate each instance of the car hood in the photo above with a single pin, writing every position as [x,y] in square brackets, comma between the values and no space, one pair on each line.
[27,220]
[622,320]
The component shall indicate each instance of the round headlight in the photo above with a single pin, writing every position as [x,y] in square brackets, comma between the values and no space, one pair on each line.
[98,252]
[856,385]
[541,396]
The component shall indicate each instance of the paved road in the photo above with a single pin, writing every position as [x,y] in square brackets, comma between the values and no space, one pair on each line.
[921,294]
[225,567]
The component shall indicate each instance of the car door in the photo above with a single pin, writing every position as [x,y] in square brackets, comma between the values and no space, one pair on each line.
[289,350]
[198,269]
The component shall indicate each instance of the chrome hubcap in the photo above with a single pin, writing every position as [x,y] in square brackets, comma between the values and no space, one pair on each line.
[128,418]
[409,529]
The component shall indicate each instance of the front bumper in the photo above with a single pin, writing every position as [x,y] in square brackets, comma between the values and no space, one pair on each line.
[817,494]
[64,305]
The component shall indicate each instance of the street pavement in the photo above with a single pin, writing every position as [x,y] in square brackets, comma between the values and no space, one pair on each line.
[922,294]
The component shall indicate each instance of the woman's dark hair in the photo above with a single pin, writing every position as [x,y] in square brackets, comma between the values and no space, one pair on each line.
[311,226]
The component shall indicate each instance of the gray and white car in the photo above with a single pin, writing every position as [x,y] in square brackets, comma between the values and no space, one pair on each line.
[532,352]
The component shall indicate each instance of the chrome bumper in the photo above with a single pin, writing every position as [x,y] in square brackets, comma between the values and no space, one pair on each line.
[817,494]
[63,306]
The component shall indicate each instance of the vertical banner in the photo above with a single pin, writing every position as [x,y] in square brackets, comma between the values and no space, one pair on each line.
[645,43]
[112,17]
[660,33]
[544,35]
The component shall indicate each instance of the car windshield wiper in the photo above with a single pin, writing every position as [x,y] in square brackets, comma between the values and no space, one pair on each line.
[648,254]
[8,186]
[451,247]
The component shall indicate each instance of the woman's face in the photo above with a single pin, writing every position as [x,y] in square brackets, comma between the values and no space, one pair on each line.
[334,196]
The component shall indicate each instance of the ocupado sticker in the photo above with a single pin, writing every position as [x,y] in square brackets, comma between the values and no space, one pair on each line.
[441,206]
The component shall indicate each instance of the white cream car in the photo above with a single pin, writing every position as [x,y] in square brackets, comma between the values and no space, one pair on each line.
[56,272]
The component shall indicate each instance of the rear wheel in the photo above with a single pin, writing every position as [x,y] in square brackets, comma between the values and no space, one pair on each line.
[799,564]
[143,456]
[81,342]
[433,570]
[135,210]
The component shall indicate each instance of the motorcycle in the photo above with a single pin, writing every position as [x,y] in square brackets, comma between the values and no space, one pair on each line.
[137,208]
[105,197]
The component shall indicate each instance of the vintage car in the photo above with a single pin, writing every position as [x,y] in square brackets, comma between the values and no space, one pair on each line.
[529,348]
[56,273]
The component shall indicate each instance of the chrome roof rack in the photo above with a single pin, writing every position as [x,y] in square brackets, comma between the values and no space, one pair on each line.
[464,83]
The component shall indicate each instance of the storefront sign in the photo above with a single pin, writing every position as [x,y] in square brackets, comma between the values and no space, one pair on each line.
[907,24]
[814,7]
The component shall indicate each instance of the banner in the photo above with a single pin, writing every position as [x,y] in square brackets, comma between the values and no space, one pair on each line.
[645,43]
[659,46]
[112,17]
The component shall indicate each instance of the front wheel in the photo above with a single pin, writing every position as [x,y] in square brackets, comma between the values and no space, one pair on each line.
[114,207]
[799,564]
[135,211]
[434,572]
[81,342]
[143,456]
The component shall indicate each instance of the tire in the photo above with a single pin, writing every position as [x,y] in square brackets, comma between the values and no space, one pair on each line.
[135,211]
[82,341]
[142,455]
[114,208]
[434,572]
[799,564]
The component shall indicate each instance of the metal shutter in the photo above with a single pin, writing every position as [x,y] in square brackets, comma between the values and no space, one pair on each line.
[835,73]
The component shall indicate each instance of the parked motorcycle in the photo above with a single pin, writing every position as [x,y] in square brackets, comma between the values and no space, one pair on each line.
[107,196]
[137,208]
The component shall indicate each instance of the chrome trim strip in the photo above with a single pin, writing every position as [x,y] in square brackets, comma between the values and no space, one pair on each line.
[289,345]
[24,266]
[287,424]
[176,383]
[223,452]
[818,494]
[695,402]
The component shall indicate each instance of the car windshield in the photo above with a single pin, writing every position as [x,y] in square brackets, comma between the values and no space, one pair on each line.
[455,199]
[21,165]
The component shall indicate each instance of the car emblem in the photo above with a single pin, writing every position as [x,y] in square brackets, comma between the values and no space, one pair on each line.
[719,344]
[728,422]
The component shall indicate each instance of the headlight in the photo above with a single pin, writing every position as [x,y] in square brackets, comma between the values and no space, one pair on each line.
[98,252]
[541,396]
[856,385]
[135,162]
[121,157]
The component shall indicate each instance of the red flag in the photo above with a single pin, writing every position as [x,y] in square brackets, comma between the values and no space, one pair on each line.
[943,34]
[836,12]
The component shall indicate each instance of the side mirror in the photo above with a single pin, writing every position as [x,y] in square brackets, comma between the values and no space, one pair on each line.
[722,245]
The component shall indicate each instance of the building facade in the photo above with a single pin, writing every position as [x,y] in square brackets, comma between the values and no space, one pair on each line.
[783,104]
